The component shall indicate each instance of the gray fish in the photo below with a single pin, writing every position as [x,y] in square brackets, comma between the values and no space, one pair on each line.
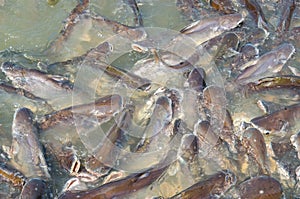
[224,6]
[138,20]
[26,151]
[124,186]
[268,107]
[195,79]
[39,83]
[269,63]
[107,152]
[215,185]
[10,89]
[132,33]
[66,156]
[279,120]
[295,139]
[70,22]
[160,119]
[287,8]
[255,10]
[103,109]
[254,143]
[35,188]
[264,187]
[206,29]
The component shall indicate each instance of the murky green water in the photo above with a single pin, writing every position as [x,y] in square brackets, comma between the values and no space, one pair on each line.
[28,27]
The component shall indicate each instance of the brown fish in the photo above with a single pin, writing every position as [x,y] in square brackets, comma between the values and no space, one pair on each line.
[260,187]
[255,10]
[138,20]
[287,8]
[103,108]
[70,22]
[254,143]
[278,82]
[9,174]
[124,186]
[35,188]
[40,84]
[267,64]
[106,153]
[132,33]
[215,185]
[226,7]
[66,156]
[206,29]
[26,152]
[10,89]
[279,120]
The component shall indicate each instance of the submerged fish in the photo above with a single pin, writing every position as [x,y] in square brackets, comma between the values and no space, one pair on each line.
[103,109]
[269,63]
[263,187]
[214,186]
[279,120]
[26,151]
[254,143]
[136,11]
[40,84]
[277,82]
[124,186]
[288,8]
[35,188]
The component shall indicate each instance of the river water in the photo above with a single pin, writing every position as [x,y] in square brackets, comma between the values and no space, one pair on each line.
[28,27]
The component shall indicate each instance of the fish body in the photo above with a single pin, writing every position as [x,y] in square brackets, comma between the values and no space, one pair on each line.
[279,120]
[260,187]
[26,151]
[206,29]
[215,185]
[269,63]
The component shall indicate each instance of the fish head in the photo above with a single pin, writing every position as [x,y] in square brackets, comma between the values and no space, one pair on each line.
[230,21]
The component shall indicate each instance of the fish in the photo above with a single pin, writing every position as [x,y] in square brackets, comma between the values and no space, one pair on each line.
[103,108]
[195,80]
[214,186]
[35,188]
[207,138]
[40,84]
[70,22]
[274,82]
[138,20]
[269,63]
[161,117]
[106,153]
[268,107]
[26,151]
[11,89]
[254,143]
[264,187]
[226,7]
[10,174]
[132,33]
[288,8]
[295,140]
[206,29]
[280,120]
[255,10]
[66,156]
[190,8]
[126,185]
